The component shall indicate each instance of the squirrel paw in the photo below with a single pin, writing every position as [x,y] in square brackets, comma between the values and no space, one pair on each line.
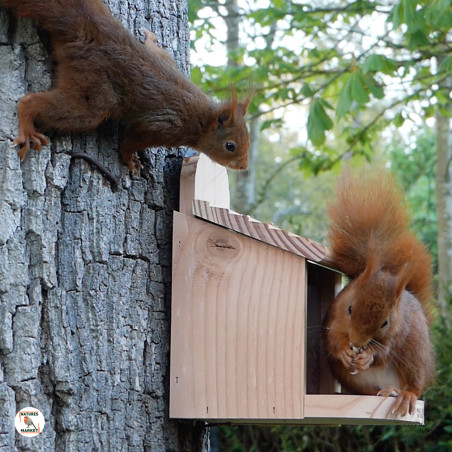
[405,402]
[23,140]
[135,165]
[347,358]
[363,360]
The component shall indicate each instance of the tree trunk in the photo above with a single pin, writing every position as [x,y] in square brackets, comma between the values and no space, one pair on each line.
[444,210]
[443,183]
[244,180]
[85,271]
[244,194]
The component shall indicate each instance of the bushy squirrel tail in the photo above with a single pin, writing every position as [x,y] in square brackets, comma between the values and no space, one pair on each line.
[369,216]
[66,19]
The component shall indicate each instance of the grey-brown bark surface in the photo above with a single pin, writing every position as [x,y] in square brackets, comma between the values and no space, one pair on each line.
[443,181]
[84,270]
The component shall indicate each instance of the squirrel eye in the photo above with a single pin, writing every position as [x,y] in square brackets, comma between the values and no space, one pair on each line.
[230,146]
[350,310]
[384,323]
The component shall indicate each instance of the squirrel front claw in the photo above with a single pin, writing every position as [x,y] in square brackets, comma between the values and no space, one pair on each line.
[405,402]
[347,357]
[363,360]
[135,165]
[24,139]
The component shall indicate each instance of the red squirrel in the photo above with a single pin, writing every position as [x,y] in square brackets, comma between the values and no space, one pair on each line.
[103,72]
[377,329]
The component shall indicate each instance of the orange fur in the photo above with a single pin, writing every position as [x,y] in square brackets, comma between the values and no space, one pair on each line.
[377,329]
[103,72]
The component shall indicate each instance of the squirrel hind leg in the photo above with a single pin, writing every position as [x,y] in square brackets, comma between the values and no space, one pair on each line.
[52,110]
[133,162]
[131,143]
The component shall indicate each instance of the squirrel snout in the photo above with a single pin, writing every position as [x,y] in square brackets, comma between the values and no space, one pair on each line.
[358,341]
[238,165]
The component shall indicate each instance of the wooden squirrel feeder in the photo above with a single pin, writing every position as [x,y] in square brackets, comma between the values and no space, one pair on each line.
[247,307]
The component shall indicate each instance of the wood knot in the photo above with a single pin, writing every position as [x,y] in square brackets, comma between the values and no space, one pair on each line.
[221,244]
[227,247]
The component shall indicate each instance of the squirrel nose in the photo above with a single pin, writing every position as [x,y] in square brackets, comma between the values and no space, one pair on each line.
[354,349]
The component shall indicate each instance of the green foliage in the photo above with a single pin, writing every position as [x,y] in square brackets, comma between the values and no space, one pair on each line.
[379,63]
[323,59]
[415,168]
[318,121]
[358,86]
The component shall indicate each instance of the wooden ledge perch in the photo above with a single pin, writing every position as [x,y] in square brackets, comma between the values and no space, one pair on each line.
[248,300]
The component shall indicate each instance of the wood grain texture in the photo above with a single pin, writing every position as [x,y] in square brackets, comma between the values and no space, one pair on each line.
[238,336]
[341,409]
[187,185]
[203,179]
[354,409]
[265,232]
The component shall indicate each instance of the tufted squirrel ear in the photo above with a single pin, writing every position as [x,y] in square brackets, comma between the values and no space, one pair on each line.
[243,106]
[227,112]
[225,116]
[232,109]
[401,279]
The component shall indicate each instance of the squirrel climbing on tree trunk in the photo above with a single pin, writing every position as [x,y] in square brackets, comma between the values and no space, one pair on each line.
[377,330]
[103,72]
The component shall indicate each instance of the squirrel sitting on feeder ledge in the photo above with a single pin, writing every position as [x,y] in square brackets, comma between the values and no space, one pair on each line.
[377,330]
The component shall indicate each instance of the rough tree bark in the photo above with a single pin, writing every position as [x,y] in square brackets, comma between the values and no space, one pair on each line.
[443,182]
[444,211]
[84,270]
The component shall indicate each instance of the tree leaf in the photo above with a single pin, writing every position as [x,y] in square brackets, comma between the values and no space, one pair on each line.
[371,84]
[379,63]
[318,122]
[196,75]
[438,13]
[357,88]
[446,64]
[345,99]
[306,90]
[399,120]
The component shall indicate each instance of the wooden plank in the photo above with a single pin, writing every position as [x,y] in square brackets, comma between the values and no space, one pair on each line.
[238,326]
[212,183]
[353,409]
[339,409]
[187,185]
[264,232]
[201,178]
